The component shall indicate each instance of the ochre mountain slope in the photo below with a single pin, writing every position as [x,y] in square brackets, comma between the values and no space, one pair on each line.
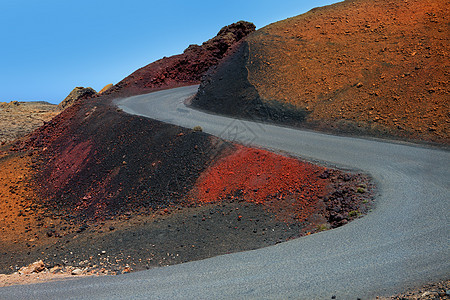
[371,67]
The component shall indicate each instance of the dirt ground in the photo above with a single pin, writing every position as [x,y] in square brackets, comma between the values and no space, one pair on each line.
[138,242]
[311,199]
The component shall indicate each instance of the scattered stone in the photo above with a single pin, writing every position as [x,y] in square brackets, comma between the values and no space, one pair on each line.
[77,271]
[325,174]
[347,177]
[35,267]
[82,228]
[55,269]
[198,129]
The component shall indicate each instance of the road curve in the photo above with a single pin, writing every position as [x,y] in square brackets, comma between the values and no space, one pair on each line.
[403,243]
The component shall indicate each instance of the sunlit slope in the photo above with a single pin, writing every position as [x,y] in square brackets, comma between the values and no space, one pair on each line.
[383,65]
[364,67]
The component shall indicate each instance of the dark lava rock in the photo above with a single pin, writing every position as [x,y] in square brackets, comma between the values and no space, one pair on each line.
[89,179]
[347,177]
[324,175]
[82,228]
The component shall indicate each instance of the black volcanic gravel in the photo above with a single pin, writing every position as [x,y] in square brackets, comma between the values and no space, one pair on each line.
[176,236]
[132,162]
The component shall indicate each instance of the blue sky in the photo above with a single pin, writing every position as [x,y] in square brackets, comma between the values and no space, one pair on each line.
[48,47]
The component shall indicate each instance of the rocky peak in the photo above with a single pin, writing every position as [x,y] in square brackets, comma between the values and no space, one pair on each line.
[227,37]
[75,95]
[239,30]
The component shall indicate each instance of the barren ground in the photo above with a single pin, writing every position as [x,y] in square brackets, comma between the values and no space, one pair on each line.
[18,119]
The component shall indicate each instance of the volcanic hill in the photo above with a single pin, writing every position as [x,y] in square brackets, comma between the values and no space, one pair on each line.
[365,67]
[98,188]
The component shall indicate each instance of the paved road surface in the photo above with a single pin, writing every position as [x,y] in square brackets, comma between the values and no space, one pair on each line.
[404,242]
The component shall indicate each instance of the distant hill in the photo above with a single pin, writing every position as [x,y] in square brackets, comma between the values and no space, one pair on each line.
[18,119]
[36,102]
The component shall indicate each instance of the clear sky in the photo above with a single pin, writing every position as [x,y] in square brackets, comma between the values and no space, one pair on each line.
[48,47]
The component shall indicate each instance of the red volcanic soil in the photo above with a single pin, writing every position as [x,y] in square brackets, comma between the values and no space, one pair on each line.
[103,189]
[366,67]
[264,178]
[291,189]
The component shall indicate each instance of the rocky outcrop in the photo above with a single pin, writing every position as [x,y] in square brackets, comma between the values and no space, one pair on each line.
[76,94]
[35,267]
[228,36]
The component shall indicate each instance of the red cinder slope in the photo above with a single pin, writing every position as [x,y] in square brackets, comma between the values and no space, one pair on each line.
[266,178]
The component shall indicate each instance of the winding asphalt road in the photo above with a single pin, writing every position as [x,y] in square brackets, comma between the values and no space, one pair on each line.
[403,243]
